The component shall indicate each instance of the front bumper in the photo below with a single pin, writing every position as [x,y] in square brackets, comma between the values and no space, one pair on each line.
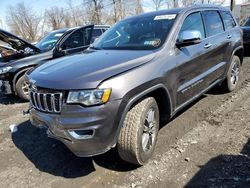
[100,119]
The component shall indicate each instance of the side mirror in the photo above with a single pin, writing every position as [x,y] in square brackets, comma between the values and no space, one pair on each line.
[189,37]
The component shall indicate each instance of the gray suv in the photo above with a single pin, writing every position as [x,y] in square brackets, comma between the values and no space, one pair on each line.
[136,76]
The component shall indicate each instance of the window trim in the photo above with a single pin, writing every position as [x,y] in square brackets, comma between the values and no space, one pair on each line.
[227,12]
[207,36]
[74,31]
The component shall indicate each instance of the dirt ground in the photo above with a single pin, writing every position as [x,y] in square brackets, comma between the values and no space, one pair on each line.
[206,145]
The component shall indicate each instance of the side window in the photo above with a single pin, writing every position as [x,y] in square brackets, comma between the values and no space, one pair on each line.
[96,33]
[193,22]
[228,20]
[213,22]
[74,40]
[78,38]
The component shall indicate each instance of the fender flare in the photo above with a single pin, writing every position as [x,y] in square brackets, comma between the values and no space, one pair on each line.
[238,48]
[137,97]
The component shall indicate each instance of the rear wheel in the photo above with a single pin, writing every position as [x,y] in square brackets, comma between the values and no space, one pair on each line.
[22,88]
[233,75]
[138,135]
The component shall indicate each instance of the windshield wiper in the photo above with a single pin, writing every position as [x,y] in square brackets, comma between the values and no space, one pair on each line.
[94,48]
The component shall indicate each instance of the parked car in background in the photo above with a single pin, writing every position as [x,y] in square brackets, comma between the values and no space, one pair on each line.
[19,47]
[7,53]
[56,44]
[136,76]
[246,33]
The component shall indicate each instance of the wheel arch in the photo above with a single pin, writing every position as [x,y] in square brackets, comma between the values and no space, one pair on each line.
[239,52]
[162,97]
[18,75]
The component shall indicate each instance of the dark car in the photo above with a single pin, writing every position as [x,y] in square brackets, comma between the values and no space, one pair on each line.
[246,33]
[56,44]
[136,76]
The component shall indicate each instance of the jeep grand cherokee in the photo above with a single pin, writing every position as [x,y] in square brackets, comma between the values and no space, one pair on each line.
[137,75]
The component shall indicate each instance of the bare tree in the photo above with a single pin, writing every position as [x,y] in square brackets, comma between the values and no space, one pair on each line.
[76,15]
[118,11]
[138,7]
[176,3]
[23,21]
[96,18]
[158,3]
[55,17]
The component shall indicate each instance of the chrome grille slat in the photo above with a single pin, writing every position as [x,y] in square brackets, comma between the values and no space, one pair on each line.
[46,102]
[35,99]
[38,101]
[53,102]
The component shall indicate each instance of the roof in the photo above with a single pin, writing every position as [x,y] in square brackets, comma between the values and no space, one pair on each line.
[177,10]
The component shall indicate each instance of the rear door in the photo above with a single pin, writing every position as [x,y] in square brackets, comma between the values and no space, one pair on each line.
[77,41]
[217,46]
[231,33]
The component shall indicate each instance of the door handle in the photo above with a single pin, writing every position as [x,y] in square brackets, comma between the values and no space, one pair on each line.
[229,36]
[207,46]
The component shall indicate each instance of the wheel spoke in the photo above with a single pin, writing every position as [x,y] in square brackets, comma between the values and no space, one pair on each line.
[145,140]
[149,130]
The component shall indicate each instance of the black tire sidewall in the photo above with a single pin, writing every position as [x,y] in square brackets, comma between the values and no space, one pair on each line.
[19,89]
[230,86]
[144,156]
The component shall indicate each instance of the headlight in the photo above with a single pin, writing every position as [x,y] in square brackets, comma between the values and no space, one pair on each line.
[5,69]
[89,97]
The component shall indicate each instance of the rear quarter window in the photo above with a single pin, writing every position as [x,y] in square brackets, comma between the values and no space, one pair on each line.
[228,20]
[213,22]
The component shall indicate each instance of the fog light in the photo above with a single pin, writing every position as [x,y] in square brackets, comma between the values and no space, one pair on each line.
[82,134]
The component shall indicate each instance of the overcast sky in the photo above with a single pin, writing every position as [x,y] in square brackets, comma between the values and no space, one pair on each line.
[40,5]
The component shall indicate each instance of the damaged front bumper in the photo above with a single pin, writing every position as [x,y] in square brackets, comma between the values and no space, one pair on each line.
[86,131]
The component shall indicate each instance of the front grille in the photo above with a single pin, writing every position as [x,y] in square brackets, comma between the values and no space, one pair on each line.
[46,102]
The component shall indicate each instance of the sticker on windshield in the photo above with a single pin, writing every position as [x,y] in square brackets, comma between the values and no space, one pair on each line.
[154,43]
[165,17]
[58,35]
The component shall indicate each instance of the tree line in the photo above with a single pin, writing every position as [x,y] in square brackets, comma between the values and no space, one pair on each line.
[25,22]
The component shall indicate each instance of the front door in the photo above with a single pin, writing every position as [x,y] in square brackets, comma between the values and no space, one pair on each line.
[191,61]
[77,41]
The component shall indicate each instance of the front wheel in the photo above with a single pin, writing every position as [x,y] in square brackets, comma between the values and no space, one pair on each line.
[233,75]
[22,88]
[138,135]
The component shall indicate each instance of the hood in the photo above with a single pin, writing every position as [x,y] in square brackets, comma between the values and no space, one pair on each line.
[87,70]
[16,42]
[30,60]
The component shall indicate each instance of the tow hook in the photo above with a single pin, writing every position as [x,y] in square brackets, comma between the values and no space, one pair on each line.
[25,112]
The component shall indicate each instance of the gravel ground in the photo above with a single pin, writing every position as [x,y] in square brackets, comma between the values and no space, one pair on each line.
[205,145]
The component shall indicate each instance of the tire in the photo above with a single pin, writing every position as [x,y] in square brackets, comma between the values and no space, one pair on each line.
[22,88]
[141,124]
[233,75]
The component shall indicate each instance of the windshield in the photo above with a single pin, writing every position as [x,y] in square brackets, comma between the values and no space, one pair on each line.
[49,41]
[137,34]
[247,23]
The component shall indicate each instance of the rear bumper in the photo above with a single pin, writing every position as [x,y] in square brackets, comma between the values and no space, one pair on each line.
[100,119]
